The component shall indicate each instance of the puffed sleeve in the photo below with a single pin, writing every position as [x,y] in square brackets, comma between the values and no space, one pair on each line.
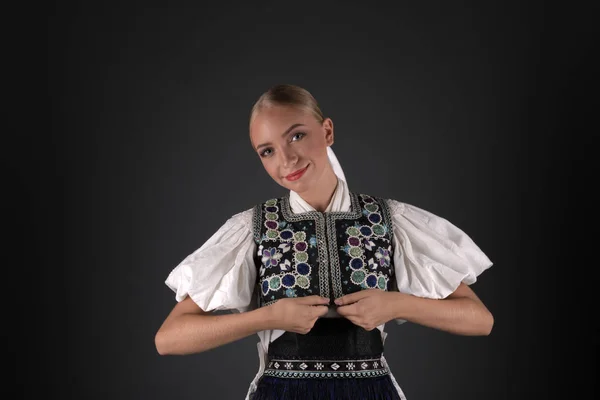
[431,255]
[221,274]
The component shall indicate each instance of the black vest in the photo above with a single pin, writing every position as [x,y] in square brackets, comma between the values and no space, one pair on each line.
[328,254]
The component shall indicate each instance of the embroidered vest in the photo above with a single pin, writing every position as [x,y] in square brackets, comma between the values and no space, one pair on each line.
[326,254]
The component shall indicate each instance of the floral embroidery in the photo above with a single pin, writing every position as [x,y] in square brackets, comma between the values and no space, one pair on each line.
[300,236]
[368,243]
[289,252]
[383,255]
[329,254]
[271,257]
[368,248]
[286,265]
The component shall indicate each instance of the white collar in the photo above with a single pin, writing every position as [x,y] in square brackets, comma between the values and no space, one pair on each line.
[340,201]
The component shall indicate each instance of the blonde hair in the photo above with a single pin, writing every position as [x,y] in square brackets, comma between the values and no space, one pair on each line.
[288,95]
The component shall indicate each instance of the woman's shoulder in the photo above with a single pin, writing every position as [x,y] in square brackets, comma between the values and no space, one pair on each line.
[243,217]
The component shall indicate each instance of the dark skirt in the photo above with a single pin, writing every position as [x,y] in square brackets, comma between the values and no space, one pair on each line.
[336,360]
[377,388]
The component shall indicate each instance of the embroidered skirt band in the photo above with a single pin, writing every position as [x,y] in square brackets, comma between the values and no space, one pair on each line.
[320,369]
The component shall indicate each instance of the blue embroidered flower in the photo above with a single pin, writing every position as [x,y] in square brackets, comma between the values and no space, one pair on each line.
[383,255]
[312,241]
[271,257]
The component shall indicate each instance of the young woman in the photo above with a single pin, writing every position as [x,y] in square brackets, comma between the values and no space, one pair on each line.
[317,274]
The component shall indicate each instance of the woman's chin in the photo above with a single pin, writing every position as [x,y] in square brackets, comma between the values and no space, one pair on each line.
[296,186]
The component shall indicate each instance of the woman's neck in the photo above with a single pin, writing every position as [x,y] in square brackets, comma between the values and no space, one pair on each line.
[320,197]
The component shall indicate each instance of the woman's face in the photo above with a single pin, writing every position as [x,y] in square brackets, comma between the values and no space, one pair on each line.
[292,146]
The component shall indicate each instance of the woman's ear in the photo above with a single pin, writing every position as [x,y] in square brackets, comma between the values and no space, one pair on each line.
[328,128]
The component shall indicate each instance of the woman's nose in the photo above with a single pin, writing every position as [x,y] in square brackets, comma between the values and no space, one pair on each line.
[288,158]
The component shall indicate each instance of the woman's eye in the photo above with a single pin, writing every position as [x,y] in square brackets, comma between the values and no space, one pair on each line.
[298,136]
[265,153]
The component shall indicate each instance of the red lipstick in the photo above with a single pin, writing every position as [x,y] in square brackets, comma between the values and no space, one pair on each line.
[297,174]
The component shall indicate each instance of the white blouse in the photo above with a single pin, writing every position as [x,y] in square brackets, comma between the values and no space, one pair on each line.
[221,275]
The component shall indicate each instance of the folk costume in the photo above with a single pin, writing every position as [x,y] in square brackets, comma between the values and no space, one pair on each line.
[285,248]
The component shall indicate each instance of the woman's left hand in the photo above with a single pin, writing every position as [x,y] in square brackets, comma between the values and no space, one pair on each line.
[368,308]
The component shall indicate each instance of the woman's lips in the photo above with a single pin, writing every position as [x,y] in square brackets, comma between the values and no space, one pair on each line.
[296,175]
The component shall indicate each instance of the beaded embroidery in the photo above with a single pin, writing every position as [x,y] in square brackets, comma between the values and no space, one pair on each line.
[279,240]
[316,253]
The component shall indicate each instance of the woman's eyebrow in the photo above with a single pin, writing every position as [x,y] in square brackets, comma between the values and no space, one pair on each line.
[283,134]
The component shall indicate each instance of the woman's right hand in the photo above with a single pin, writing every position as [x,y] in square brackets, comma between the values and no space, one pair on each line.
[298,314]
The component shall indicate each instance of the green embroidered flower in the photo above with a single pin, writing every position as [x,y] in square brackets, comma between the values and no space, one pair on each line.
[353,231]
[275,283]
[378,229]
[371,207]
[300,236]
[358,277]
[301,257]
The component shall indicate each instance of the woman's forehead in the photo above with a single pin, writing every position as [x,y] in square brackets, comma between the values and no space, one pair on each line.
[275,120]
[281,114]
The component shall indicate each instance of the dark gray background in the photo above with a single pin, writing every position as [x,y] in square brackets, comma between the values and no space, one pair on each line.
[475,113]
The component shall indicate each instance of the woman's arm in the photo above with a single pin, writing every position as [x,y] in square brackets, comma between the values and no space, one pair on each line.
[461,313]
[188,329]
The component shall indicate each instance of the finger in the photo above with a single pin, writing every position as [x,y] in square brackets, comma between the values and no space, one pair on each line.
[313,300]
[347,311]
[352,297]
[319,311]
